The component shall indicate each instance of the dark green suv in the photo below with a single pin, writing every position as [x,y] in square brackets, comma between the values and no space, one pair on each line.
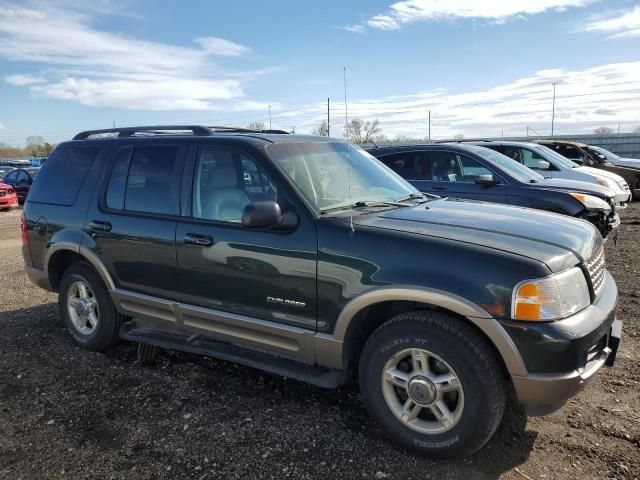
[306,257]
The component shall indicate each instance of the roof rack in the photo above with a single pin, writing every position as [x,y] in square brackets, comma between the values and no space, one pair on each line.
[154,130]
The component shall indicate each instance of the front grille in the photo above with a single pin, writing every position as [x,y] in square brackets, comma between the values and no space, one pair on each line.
[596,268]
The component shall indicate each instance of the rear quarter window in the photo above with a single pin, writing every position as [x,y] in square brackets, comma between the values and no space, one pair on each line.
[62,176]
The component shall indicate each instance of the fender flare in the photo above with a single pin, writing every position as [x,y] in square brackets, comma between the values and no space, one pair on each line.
[87,254]
[330,348]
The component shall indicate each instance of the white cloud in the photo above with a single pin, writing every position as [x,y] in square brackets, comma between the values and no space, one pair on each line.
[409,11]
[222,47]
[602,95]
[624,25]
[353,28]
[23,80]
[97,68]
[2,127]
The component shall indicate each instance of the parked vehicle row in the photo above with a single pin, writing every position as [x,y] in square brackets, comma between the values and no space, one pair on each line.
[548,163]
[583,154]
[475,172]
[21,180]
[306,257]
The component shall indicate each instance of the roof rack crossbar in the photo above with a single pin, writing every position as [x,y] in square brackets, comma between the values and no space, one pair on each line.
[158,129]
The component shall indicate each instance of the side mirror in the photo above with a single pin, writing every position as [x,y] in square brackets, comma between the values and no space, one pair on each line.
[486,180]
[267,214]
[543,165]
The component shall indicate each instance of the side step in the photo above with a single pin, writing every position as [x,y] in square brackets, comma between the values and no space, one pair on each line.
[202,345]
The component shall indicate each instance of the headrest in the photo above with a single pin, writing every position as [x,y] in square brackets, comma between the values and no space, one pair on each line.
[223,177]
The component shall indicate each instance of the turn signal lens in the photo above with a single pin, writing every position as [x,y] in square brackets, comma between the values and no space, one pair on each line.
[551,298]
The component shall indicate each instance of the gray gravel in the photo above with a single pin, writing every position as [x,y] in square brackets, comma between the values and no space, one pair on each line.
[69,413]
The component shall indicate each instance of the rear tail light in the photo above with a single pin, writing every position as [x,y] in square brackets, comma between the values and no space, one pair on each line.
[23,230]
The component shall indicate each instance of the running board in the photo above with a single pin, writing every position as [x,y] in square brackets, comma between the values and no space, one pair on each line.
[201,345]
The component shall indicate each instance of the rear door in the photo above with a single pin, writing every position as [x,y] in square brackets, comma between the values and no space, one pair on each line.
[453,174]
[133,220]
[409,165]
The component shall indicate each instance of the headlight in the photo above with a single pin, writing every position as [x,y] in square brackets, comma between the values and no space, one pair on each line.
[591,202]
[550,298]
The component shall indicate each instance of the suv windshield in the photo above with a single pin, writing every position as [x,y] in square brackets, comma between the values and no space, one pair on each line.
[333,175]
[511,167]
[558,159]
[607,154]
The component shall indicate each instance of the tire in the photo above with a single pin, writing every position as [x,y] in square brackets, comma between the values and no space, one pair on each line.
[96,334]
[452,350]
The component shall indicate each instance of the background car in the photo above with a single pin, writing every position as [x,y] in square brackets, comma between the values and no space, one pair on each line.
[551,164]
[615,159]
[8,197]
[582,155]
[21,179]
[478,173]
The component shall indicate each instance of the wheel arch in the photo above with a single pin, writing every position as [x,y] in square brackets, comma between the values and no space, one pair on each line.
[366,312]
[62,254]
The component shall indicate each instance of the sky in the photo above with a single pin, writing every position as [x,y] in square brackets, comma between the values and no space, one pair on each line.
[482,68]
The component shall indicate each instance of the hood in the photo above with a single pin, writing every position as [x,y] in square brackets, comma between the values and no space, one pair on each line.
[627,162]
[559,241]
[602,173]
[576,186]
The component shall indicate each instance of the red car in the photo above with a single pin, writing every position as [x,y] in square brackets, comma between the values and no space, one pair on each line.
[8,197]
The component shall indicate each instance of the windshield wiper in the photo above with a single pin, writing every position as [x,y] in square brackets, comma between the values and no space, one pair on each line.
[426,197]
[366,204]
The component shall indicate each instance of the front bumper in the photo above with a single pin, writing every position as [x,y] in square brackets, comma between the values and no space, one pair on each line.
[562,357]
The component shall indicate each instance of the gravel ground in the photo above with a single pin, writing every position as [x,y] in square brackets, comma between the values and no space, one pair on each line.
[69,413]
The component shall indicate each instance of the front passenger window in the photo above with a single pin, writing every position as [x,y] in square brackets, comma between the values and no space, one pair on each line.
[225,182]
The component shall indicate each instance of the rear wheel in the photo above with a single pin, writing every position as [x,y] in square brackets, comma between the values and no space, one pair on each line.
[87,309]
[433,384]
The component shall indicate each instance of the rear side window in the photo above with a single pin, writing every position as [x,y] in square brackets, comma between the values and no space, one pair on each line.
[153,183]
[63,175]
[409,165]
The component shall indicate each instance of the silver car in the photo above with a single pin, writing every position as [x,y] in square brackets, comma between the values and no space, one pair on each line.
[551,164]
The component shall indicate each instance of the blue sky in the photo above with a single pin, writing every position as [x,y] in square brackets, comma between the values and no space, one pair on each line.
[480,67]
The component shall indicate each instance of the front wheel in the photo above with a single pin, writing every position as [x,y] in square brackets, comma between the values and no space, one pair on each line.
[433,383]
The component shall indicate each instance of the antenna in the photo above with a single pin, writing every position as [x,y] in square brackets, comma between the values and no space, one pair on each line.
[346,116]
[350,200]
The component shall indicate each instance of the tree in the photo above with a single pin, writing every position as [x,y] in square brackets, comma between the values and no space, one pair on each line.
[360,132]
[603,131]
[36,146]
[636,130]
[257,126]
[458,136]
[321,130]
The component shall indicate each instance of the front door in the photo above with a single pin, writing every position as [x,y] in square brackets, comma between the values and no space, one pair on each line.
[452,174]
[226,267]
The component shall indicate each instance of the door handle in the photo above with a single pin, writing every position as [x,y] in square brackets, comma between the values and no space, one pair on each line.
[98,225]
[439,188]
[198,239]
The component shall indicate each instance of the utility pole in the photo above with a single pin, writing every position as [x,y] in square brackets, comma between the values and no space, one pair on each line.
[269,117]
[114,124]
[618,128]
[328,119]
[429,125]
[346,116]
[553,107]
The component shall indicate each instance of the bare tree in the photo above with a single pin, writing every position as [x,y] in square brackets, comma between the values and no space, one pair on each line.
[360,132]
[458,136]
[636,130]
[34,141]
[257,126]
[321,130]
[603,131]
[36,146]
